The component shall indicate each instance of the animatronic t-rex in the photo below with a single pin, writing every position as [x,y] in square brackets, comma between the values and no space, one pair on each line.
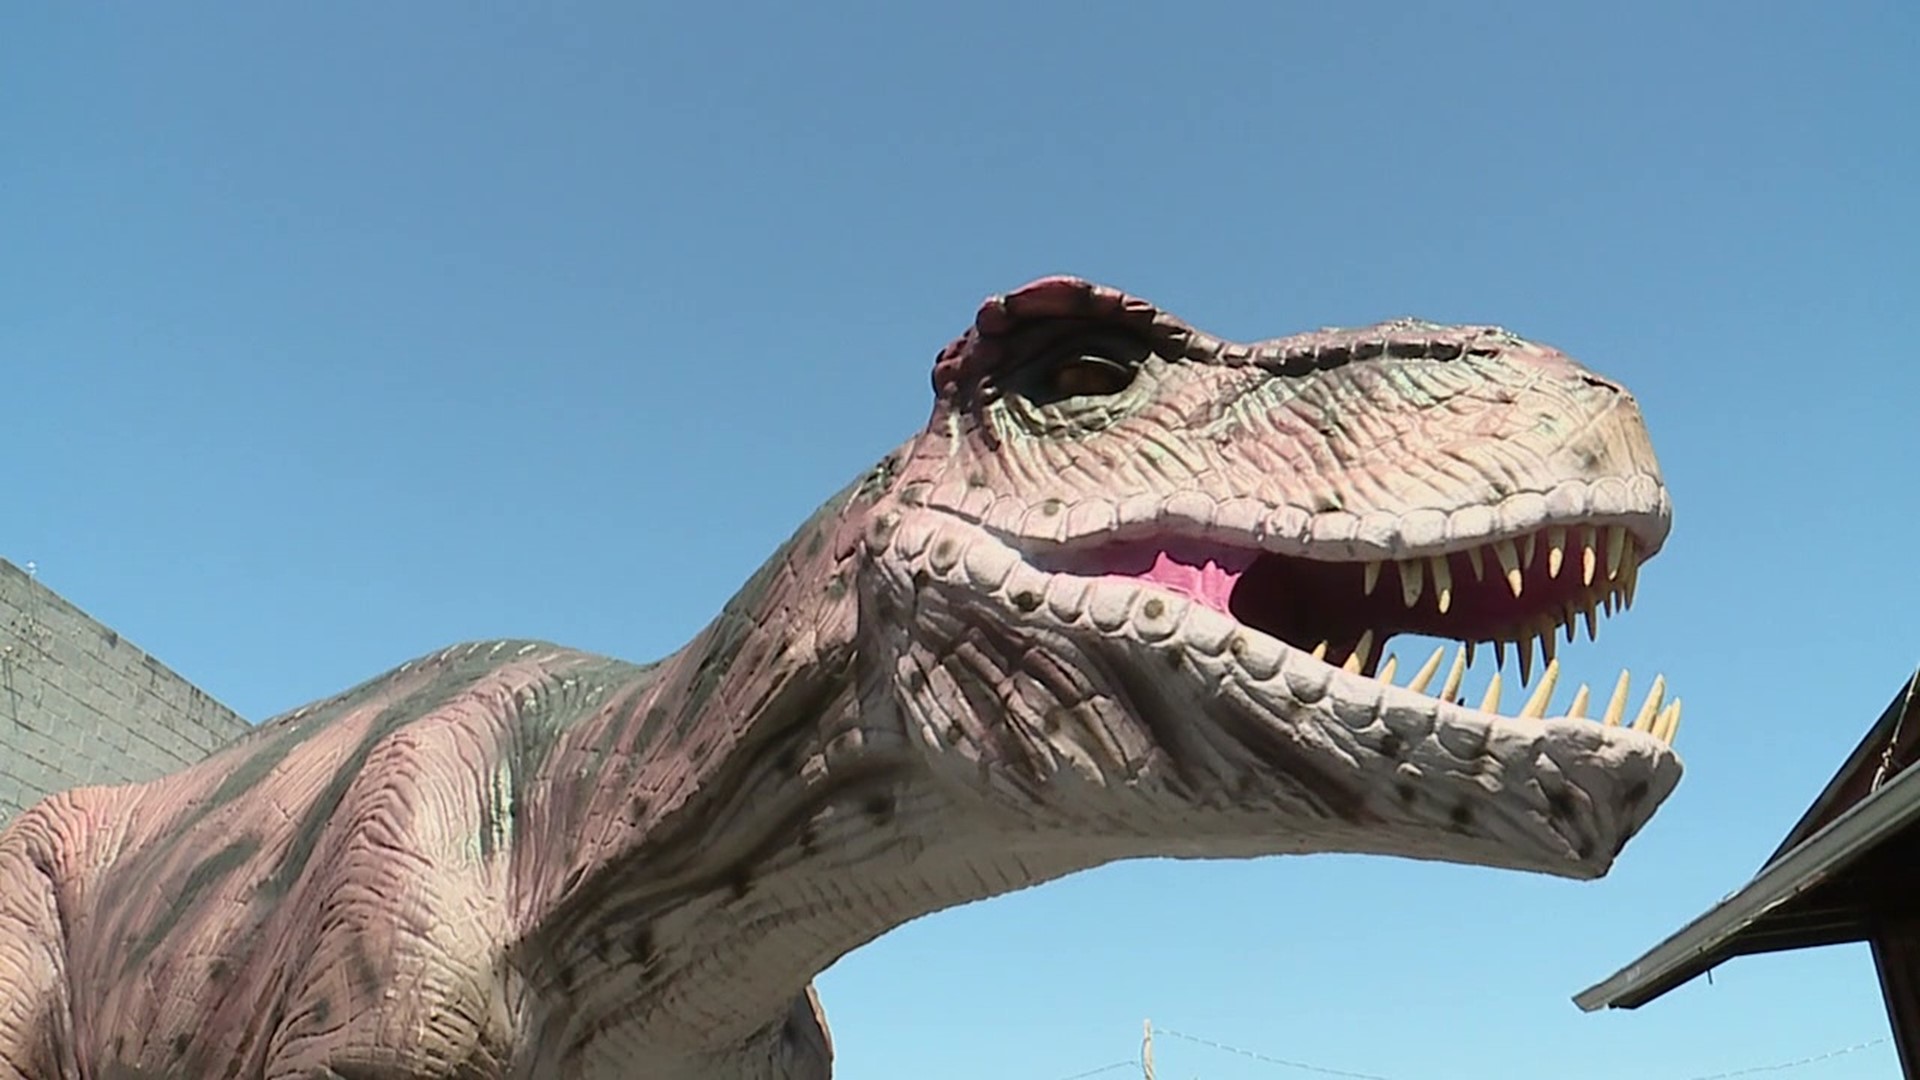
[1127,594]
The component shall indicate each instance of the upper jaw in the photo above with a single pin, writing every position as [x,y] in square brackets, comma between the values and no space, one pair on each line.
[1638,503]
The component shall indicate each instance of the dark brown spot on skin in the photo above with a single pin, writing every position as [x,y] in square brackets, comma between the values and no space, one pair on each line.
[914,494]
[955,733]
[1026,601]
[943,550]
[1392,745]
[1153,608]
[1407,793]
[978,480]
[180,1041]
[1051,722]
[879,807]
[1052,507]
[740,884]
[809,841]
[1636,791]
[1462,816]
[642,945]
[921,578]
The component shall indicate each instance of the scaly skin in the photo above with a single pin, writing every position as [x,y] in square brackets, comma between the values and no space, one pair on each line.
[1074,620]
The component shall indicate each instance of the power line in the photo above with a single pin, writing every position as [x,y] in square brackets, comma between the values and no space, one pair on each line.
[1784,1065]
[1282,1062]
[1322,1070]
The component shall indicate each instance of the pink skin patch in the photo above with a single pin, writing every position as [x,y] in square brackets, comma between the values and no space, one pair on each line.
[1203,573]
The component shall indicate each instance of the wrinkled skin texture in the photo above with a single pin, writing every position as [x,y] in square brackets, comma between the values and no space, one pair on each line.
[1069,622]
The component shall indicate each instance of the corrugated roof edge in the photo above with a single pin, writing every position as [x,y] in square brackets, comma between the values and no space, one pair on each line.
[1705,942]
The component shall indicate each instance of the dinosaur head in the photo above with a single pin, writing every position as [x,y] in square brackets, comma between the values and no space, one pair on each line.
[1137,585]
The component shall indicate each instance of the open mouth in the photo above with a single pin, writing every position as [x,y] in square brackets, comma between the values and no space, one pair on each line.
[1522,593]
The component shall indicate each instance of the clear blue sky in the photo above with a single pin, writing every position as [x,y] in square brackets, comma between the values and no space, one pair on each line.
[326,340]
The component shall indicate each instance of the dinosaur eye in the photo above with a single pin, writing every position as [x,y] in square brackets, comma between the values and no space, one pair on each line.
[1088,375]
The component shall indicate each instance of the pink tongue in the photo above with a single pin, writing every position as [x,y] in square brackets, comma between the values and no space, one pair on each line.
[1207,575]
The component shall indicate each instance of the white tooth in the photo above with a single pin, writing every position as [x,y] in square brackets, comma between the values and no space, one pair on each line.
[1536,706]
[1475,560]
[1578,710]
[1418,684]
[1442,582]
[1556,550]
[1617,705]
[1616,546]
[1509,562]
[1588,557]
[1644,722]
[1450,691]
[1320,651]
[1491,702]
[1361,651]
[1668,724]
[1387,668]
[1370,577]
[1411,578]
[1526,659]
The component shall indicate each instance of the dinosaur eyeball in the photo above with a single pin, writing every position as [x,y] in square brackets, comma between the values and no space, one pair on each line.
[1089,376]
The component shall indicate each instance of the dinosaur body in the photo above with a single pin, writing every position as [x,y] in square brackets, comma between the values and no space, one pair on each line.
[1127,594]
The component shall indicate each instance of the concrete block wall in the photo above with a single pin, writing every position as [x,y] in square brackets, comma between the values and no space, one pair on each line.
[80,705]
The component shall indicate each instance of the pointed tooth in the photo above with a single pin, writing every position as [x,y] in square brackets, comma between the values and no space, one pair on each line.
[1370,577]
[1387,668]
[1509,562]
[1556,550]
[1536,706]
[1421,678]
[1669,724]
[1591,618]
[1442,582]
[1632,582]
[1526,658]
[1588,557]
[1320,651]
[1617,704]
[1490,703]
[1357,659]
[1470,648]
[1606,605]
[1527,547]
[1644,722]
[1616,546]
[1451,690]
[1476,560]
[1568,618]
[1411,577]
[1578,710]
[1499,655]
[1547,647]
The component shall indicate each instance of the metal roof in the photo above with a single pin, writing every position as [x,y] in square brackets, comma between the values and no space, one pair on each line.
[1826,883]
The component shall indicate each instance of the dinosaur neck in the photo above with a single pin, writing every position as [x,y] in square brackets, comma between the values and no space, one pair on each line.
[677,819]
